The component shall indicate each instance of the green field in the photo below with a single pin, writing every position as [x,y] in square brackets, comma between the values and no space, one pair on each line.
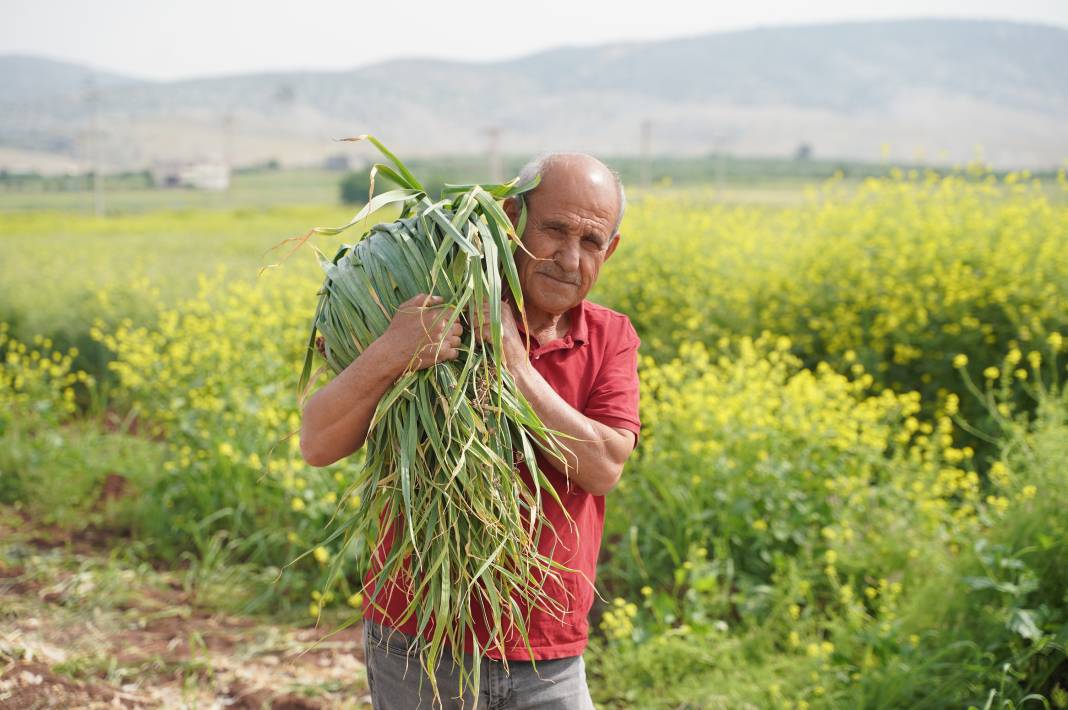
[734,179]
[849,490]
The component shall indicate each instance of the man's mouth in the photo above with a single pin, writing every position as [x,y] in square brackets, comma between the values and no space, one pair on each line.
[554,278]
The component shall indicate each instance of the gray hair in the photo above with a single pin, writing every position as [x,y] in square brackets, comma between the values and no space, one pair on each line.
[536,168]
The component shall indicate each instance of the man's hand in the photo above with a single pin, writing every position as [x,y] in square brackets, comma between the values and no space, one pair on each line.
[338,416]
[513,344]
[419,335]
[596,454]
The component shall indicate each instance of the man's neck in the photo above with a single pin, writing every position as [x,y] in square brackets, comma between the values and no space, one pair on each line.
[547,326]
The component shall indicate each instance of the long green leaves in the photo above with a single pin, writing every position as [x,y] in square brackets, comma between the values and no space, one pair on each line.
[443,442]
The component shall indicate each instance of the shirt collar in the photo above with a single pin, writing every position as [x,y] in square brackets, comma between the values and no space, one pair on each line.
[577,333]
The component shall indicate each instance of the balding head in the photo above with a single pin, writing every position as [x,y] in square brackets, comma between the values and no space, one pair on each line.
[572,228]
[577,167]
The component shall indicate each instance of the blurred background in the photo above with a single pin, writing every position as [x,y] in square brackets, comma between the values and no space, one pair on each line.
[127,98]
[845,251]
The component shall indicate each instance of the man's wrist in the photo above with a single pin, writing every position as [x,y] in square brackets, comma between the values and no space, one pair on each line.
[386,368]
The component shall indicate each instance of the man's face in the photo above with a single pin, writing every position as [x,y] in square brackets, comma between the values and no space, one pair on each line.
[569,231]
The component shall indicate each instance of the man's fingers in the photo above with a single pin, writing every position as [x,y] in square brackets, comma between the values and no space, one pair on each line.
[423,300]
[419,300]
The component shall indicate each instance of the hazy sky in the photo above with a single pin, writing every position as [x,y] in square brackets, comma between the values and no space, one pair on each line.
[184,38]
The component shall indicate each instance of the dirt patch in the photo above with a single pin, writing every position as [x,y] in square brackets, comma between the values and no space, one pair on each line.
[120,660]
[30,685]
[78,632]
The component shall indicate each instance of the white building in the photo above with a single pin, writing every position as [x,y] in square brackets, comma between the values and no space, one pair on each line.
[198,176]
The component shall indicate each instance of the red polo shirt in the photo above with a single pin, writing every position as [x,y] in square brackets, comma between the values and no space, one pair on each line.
[594,368]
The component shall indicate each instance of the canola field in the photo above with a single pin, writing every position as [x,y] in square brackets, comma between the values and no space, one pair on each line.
[849,491]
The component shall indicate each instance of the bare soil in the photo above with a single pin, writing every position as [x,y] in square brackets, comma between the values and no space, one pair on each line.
[79,631]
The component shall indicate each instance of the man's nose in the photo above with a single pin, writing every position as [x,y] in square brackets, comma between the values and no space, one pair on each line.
[567,258]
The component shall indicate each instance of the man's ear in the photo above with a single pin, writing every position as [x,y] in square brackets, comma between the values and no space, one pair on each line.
[512,209]
[612,246]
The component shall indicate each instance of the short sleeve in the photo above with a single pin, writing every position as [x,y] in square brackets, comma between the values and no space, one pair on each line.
[615,395]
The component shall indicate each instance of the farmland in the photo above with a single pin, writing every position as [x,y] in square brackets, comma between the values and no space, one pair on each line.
[849,489]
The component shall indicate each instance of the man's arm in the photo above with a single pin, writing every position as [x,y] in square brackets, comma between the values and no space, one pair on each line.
[596,456]
[337,417]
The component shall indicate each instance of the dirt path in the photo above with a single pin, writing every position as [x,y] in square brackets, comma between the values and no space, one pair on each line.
[79,630]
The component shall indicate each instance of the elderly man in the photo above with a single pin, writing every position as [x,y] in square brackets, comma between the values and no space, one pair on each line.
[580,376]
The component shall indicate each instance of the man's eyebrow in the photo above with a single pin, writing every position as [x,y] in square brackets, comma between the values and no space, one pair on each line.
[566,225]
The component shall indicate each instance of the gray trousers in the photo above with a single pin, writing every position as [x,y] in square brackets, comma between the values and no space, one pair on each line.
[397,680]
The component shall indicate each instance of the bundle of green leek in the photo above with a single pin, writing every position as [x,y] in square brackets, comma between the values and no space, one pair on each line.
[443,443]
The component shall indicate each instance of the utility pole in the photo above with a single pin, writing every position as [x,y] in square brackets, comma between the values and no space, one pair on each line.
[92,99]
[721,168]
[228,139]
[720,141]
[493,133]
[646,150]
[221,179]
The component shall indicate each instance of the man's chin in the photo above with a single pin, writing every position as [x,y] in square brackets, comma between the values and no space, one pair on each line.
[560,303]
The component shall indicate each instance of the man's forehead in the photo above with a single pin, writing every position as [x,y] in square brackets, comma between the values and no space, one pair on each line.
[575,216]
[577,168]
[584,189]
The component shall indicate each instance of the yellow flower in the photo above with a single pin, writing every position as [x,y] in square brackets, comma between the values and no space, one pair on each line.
[961,360]
[952,404]
[297,504]
[760,525]
[991,373]
[321,554]
[355,600]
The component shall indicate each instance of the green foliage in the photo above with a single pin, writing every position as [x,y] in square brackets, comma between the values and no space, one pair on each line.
[849,490]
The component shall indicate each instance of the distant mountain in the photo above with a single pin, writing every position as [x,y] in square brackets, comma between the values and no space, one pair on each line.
[929,89]
[25,78]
